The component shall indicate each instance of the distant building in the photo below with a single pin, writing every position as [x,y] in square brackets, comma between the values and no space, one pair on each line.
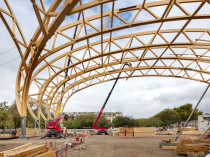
[203,122]
[192,123]
[109,115]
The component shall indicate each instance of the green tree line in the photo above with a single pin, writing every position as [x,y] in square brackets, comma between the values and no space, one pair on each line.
[9,117]
[170,116]
[86,121]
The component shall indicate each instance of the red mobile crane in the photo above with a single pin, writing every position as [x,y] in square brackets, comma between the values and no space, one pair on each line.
[55,129]
[101,129]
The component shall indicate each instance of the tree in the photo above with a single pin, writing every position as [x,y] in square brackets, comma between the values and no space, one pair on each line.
[86,121]
[185,110]
[104,122]
[121,121]
[4,105]
[6,117]
[3,117]
[168,116]
[140,122]
[154,122]
[15,115]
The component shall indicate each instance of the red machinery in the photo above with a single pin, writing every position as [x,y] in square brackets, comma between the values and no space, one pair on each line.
[102,130]
[55,129]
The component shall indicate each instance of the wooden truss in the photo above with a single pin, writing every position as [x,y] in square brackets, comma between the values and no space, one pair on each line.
[57,63]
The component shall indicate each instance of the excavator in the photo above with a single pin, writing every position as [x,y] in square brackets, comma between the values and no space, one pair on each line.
[102,130]
[54,129]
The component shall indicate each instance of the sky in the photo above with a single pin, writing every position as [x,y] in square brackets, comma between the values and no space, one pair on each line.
[137,97]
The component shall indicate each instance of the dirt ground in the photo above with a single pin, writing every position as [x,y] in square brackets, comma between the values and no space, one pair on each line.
[103,147]
[121,147]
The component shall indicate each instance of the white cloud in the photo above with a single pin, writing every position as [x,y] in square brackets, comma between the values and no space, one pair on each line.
[140,97]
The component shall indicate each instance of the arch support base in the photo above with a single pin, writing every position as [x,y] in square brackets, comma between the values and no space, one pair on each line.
[23,127]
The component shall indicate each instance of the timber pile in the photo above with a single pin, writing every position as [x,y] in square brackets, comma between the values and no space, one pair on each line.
[164,132]
[144,131]
[186,129]
[114,133]
[181,146]
[189,131]
[28,150]
[129,131]
[192,132]
[121,131]
[190,147]
[167,144]
[30,132]
[7,137]
[47,154]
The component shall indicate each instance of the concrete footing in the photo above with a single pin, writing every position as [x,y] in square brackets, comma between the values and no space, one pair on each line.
[23,127]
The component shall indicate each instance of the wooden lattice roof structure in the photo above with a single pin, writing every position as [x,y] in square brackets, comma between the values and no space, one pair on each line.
[81,43]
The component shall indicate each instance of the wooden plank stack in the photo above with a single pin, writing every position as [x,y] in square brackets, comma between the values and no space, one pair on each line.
[28,150]
[186,129]
[114,133]
[167,144]
[47,154]
[164,132]
[181,146]
[144,131]
[129,131]
[121,131]
[168,147]
[189,131]
[193,147]
[30,132]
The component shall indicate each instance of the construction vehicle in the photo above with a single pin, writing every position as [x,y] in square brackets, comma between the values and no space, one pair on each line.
[102,130]
[54,129]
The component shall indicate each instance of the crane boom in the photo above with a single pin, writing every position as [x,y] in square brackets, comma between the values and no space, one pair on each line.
[104,105]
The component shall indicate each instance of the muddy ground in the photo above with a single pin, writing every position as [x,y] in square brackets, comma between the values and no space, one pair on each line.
[103,147]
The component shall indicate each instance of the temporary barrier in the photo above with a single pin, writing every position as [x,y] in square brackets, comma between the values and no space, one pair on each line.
[50,143]
[109,136]
[62,151]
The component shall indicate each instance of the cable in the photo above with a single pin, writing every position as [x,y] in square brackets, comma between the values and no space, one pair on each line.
[9,61]
[7,50]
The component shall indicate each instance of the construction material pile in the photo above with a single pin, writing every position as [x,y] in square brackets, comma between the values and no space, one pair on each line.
[7,136]
[31,132]
[193,147]
[189,131]
[168,132]
[167,144]
[79,134]
[188,146]
[143,131]
[28,150]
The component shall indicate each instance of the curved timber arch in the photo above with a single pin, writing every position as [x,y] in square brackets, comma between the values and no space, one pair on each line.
[158,38]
